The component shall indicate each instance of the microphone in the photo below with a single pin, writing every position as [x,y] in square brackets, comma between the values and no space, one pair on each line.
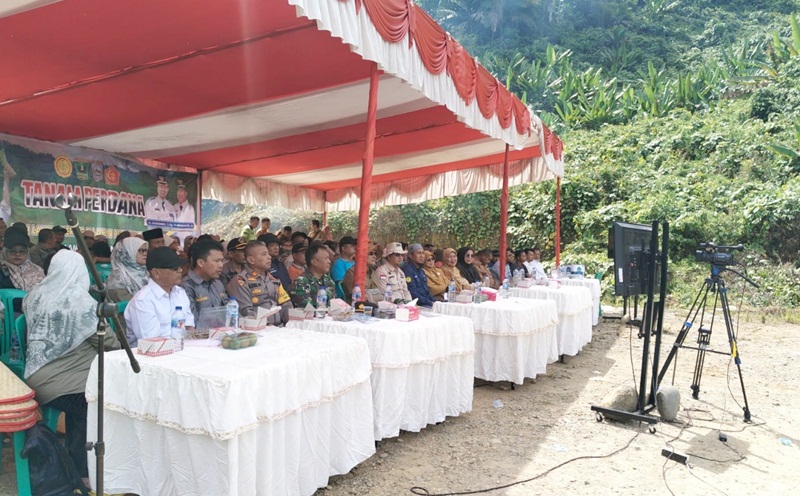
[64,203]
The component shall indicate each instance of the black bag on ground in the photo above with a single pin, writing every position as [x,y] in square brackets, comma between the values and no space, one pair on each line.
[52,471]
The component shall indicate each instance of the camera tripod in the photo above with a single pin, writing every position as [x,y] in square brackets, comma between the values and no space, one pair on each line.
[716,285]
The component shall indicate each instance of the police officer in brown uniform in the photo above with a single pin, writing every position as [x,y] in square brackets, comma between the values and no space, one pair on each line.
[236,264]
[254,287]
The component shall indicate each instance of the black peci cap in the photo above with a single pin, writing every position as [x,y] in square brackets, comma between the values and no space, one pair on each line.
[164,257]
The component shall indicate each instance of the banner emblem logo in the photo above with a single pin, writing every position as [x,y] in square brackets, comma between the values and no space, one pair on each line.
[97,171]
[112,176]
[63,166]
[83,171]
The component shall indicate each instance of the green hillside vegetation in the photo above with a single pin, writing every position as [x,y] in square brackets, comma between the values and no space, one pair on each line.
[684,111]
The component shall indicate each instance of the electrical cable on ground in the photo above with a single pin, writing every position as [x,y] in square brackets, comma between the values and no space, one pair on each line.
[421,491]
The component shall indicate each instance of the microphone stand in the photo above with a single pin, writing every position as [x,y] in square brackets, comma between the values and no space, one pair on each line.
[105,310]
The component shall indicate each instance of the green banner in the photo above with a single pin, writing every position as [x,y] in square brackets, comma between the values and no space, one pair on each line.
[111,194]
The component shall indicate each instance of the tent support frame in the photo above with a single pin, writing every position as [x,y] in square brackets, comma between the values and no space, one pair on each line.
[362,242]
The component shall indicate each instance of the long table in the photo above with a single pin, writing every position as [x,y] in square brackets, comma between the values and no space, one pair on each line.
[515,338]
[594,287]
[277,418]
[422,371]
[574,314]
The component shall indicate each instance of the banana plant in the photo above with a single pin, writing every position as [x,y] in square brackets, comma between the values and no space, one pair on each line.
[785,150]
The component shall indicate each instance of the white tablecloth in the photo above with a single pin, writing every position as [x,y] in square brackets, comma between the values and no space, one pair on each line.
[514,338]
[594,287]
[574,314]
[422,370]
[278,418]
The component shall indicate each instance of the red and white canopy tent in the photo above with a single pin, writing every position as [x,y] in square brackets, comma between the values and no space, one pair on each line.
[303,103]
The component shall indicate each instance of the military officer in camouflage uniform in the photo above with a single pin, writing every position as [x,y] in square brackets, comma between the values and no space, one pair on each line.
[305,287]
[254,287]
[202,284]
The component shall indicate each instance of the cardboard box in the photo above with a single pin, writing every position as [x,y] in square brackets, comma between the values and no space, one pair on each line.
[407,314]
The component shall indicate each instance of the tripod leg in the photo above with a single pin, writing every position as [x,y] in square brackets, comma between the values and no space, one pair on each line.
[734,347]
[687,326]
[703,340]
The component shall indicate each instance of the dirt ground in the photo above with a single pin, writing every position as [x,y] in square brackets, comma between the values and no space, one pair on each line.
[548,422]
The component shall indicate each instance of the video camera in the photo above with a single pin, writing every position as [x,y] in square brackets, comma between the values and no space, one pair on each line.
[719,255]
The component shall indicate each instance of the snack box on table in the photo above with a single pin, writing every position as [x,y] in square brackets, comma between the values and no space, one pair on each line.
[155,346]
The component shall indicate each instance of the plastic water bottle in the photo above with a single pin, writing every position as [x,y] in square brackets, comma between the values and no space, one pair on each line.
[451,291]
[178,325]
[487,281]
[232,314]
[477,296]
[322,303]
[504,291]
[387,295]
[356,294]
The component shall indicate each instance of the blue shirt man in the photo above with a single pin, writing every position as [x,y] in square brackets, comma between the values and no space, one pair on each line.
[347,253]
[415,276]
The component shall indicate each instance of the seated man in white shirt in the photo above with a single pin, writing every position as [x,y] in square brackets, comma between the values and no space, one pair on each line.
[149,313]
[535,268]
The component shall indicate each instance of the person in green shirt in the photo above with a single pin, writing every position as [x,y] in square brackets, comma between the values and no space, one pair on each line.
[305,287]
[249,231]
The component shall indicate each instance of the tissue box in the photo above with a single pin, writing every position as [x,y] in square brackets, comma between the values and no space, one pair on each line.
[156,346]
[526,283]
[407,314]
[491,294]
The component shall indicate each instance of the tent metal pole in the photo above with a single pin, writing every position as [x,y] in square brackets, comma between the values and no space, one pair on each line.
[504,218]
[362,240]
[558,221]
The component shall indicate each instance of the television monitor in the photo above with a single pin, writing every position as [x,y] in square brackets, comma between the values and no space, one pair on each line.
[630,249]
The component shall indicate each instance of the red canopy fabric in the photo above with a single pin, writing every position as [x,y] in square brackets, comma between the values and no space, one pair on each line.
[273,89]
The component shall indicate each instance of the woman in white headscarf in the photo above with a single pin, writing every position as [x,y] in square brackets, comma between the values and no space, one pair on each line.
[128,271]
[62,339]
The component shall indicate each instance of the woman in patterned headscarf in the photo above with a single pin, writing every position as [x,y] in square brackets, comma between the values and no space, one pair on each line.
[17,270]
[128,271]
[62,327]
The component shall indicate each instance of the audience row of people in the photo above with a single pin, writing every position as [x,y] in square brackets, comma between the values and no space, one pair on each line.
[156,274]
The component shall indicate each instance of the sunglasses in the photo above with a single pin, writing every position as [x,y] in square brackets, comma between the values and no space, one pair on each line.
[430,259]
[142,251]
[468,255]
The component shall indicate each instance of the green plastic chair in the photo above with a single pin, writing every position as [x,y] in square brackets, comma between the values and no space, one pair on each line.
[121,306]
[105,270]
[339,289]
[21,465]
[7,297]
